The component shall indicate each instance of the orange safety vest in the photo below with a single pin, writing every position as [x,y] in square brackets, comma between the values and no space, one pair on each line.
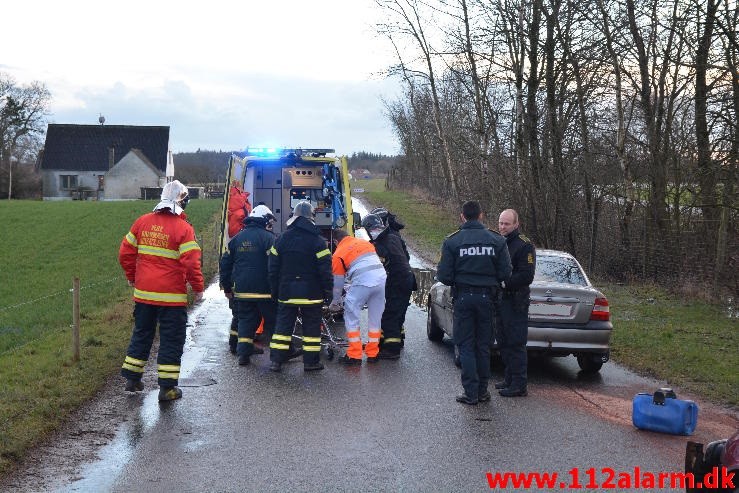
[348,249]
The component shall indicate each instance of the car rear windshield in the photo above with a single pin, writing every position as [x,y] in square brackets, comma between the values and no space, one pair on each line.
[559,269]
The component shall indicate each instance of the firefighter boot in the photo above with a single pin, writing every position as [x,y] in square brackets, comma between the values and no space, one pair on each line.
[313,366]
[134,385]
[169,394]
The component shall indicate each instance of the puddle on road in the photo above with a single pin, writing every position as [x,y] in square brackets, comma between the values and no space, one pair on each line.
[101,474]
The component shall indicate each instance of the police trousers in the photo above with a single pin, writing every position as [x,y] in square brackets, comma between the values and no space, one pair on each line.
[473,332]
[512,334]
[172,322]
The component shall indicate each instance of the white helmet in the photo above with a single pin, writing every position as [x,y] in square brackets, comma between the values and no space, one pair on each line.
[262,211]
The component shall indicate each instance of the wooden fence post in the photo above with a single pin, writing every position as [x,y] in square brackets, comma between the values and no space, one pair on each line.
[76,319]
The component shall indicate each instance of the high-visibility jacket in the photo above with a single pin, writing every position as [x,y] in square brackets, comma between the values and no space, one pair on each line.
[160,255]
[356,259]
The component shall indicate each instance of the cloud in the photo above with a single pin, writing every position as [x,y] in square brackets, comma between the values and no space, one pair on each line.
[232,111]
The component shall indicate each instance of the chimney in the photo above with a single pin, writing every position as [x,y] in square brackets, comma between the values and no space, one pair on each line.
[111,157]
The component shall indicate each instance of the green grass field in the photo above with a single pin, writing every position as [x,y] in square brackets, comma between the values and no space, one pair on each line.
[45,245]
[687,343]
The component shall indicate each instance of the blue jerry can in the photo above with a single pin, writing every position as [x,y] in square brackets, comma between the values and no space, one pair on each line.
[664,412]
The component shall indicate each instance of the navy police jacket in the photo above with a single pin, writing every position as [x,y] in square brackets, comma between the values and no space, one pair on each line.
[474,256]
[244,265]
[300,265]
[523,258]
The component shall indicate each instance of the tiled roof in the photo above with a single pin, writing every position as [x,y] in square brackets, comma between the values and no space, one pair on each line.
[86,147]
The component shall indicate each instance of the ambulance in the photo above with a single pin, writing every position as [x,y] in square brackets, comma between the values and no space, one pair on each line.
[280,178]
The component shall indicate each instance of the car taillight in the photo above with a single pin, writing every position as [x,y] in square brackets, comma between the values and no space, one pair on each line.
[600,310]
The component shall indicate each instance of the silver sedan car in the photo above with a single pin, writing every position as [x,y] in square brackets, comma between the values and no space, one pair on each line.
[567,315]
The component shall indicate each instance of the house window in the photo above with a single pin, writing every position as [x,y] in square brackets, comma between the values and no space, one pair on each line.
[68,182]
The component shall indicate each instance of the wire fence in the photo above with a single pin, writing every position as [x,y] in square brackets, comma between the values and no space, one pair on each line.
[25,324]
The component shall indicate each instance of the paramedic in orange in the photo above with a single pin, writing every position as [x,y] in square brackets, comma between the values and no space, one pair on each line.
[160,256]
[356,260]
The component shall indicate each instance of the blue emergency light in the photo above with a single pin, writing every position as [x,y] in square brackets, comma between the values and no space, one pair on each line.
[278,152]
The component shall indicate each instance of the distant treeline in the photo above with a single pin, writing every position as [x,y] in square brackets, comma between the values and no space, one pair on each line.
[204,166]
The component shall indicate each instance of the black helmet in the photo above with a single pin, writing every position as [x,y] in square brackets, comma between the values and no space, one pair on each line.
[382,213]
[372,221]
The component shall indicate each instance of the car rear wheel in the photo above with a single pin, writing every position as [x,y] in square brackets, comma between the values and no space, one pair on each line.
[433,331]
[589,363]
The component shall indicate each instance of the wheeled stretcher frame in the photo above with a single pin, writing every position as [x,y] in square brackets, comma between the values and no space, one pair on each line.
[329,341]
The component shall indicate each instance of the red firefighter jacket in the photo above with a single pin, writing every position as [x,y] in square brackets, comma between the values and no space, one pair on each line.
[160,255]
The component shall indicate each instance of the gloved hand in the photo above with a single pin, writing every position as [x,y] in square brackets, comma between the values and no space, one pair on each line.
[335,306]
[197,296]
[229,294]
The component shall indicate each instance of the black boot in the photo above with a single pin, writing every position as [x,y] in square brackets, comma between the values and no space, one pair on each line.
[313,366]
[511,392]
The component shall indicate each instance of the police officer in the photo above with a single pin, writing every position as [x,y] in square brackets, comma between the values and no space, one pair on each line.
[244,279]
[301,279]
[398,287]
[514,306]
[160,256]
[474,261]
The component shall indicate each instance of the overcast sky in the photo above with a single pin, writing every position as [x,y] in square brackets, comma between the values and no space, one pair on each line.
[223,74]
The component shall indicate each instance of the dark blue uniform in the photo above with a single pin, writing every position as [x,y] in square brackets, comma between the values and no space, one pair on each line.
[514,310]
[244,273]
[301,279]
[474,261]
[398,288]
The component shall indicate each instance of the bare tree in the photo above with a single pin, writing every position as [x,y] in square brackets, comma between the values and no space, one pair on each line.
[23,110]
[410,23]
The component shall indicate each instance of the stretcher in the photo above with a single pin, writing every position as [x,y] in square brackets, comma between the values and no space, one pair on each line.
[330,342]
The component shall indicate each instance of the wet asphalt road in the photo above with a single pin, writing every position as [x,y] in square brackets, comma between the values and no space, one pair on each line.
[391,426]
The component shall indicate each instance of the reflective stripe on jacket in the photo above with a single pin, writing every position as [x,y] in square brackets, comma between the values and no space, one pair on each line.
[356,259]
[300,265]
[160,255]
[244,265]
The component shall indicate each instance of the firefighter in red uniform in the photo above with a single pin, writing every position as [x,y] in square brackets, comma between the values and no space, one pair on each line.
[160,256]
